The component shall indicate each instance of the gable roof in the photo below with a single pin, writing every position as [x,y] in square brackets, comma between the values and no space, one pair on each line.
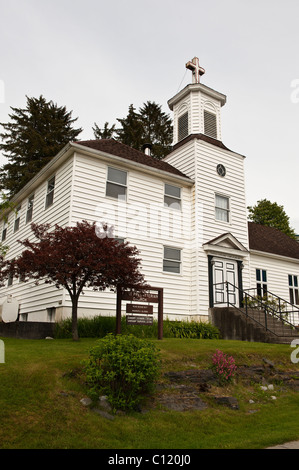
[124,151]
[272,240]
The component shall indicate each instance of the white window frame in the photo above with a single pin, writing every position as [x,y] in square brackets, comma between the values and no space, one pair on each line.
[17,219]
[50,192]
[293,289]
[4,230]
[29,213]
[170,199]
[222,209]
[110,181]
[172,261]
[262,282]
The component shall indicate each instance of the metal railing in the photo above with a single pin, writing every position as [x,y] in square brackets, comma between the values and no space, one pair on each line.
[283,307]
[262,312]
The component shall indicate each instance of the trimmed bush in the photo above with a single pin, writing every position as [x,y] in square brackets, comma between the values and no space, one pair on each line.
[123,368]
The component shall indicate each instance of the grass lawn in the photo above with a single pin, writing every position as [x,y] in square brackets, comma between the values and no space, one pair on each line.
[40,401]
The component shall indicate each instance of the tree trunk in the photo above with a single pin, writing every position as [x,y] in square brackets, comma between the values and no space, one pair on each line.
[75,318]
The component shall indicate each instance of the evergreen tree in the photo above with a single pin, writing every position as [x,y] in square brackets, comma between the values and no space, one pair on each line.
[34,135]
[157,129]
[131,131]
[106,133]
[148,126]
[272,215]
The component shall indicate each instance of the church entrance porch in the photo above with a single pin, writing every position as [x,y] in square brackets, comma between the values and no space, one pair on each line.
[225,282]
[226,257]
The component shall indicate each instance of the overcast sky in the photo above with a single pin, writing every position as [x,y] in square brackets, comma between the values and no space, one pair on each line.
[97,57]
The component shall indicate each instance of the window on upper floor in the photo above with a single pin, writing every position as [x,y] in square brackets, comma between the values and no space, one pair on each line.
[183,126]
[116,185]
[50,192]
[172,196]
[29,208]
[10,278]
[172,260]
[261,282]
[210,124]
[17,219]
[293,289]
[4,230]
[222,209]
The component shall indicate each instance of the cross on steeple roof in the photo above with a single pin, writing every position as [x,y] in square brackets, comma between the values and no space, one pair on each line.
[197,70]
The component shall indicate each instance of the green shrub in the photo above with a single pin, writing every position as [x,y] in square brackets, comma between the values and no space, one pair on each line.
[123,368]
[99,326]
[192,329]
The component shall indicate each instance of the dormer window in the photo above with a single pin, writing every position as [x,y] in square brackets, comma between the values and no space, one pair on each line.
[183,127]
[210,124]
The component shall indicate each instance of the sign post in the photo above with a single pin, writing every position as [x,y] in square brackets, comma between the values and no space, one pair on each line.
[140,312]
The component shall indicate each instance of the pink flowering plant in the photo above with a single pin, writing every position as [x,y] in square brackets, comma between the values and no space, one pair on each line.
[224,366]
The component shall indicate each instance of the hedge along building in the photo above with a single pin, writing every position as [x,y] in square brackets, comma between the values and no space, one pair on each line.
[186,214]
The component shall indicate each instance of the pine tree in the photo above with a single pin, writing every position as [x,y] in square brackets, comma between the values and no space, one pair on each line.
[34,136]
[157,129]
[106,133]
[131,131]
[148,126]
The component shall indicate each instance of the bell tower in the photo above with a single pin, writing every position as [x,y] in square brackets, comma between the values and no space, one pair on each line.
[196,108]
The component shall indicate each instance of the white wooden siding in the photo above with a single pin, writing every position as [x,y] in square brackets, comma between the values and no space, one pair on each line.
[277,272]
[144,222]
[33,299]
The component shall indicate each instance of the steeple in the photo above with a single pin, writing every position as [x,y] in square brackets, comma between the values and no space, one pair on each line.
[196,108]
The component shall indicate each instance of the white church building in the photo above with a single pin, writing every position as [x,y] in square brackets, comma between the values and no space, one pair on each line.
[186,214]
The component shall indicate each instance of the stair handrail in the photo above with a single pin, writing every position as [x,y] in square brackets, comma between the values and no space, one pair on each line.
[263,306]
[281,303]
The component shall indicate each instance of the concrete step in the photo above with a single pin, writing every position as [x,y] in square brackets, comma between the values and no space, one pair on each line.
[234,324]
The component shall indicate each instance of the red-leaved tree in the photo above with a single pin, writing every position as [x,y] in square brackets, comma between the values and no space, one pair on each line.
[79,257]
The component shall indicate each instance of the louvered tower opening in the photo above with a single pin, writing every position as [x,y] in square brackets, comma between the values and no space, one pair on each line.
[183,126]
[210,124]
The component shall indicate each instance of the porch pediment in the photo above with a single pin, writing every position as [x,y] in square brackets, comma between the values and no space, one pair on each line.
[226,244]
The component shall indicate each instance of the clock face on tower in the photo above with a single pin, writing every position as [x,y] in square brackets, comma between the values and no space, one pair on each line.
[221,170]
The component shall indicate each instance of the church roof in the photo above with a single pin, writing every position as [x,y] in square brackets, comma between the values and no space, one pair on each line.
[118,149]
[272,240]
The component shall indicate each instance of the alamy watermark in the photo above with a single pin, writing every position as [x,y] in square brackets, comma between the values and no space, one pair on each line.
[2,352]
[2,91]
[295,353]
[144,221]
[295,92]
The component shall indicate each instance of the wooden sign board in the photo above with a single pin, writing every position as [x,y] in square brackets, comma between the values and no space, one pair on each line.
[139,320]
[139,308]
[141,314]
[140,296]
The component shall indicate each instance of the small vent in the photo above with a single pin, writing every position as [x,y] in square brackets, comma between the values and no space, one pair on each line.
[210,124]
[183,126]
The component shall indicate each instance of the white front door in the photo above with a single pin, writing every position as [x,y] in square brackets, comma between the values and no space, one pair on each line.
[225,271]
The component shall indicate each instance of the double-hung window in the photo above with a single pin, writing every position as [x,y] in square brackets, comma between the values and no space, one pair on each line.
[4,230]
[17,219]
[116,185]
[29,208]
[50,192]
[261,282]
[172,197]
[222,208]
[172,260]
[293,289]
